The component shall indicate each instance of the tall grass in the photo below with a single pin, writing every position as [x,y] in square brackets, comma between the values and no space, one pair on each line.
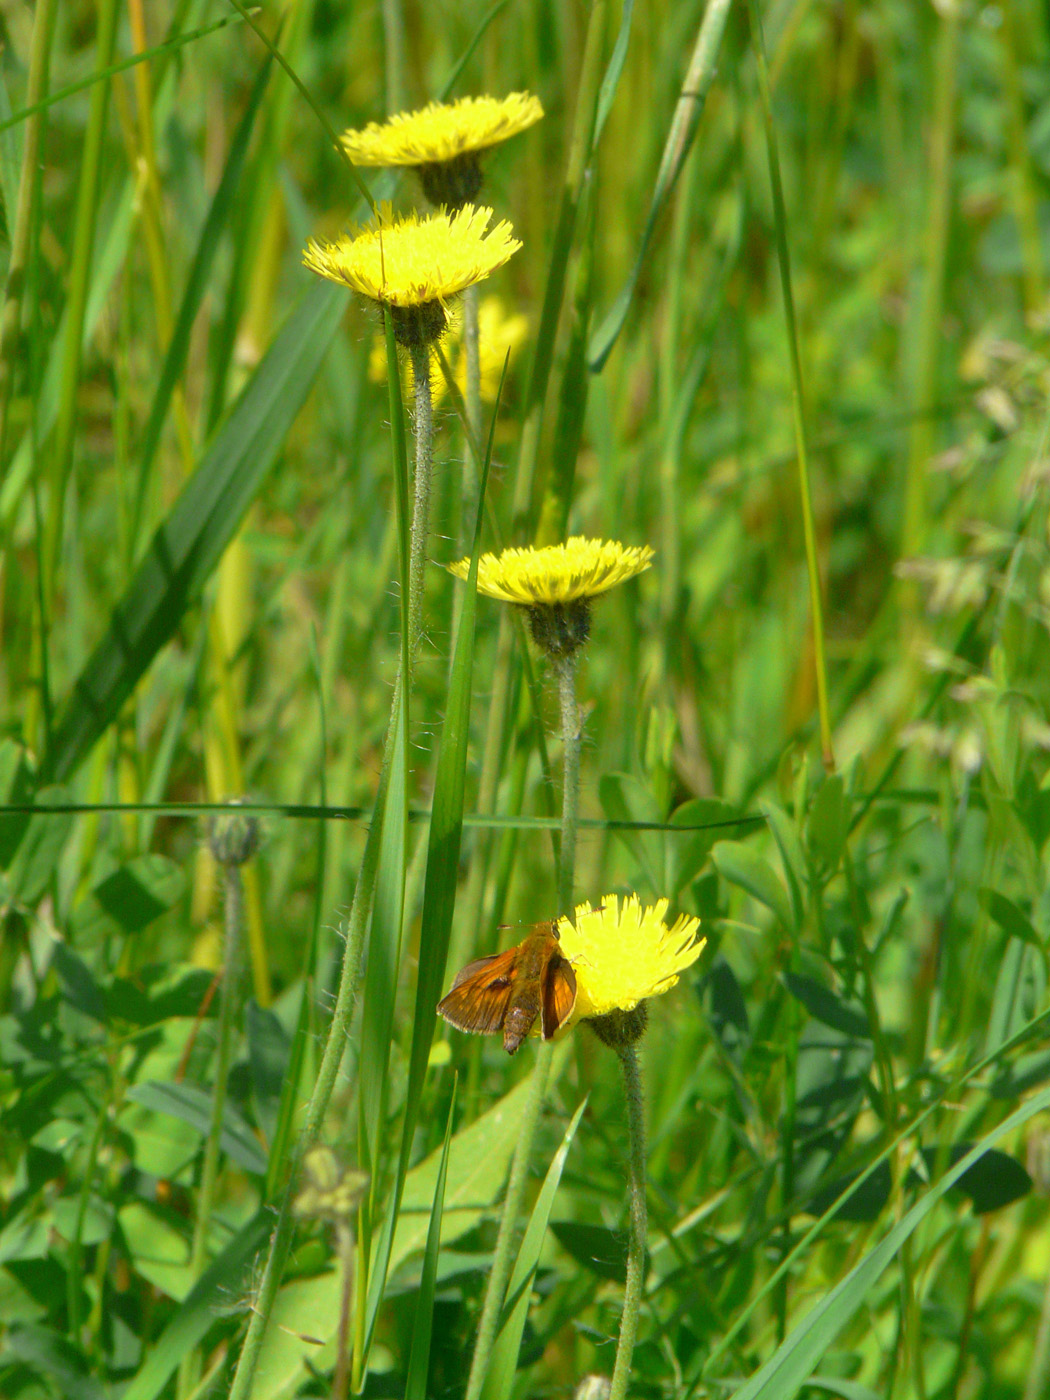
[204,506]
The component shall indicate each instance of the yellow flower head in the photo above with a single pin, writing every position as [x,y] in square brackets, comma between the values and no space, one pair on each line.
[557,574]
[416,263]
[623,952]
[442,130]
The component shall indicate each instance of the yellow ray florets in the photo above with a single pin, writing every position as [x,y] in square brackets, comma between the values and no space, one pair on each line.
[414,260]
[558,573]
[623,952]
[442,130]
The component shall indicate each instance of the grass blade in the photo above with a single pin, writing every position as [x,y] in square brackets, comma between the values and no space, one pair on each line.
[223,1279]
[503,1363]
[787,1370]
[686,118]
[419,1358]
[189,544]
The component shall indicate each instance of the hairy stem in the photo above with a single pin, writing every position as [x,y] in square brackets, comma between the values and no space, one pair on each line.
[632,1297]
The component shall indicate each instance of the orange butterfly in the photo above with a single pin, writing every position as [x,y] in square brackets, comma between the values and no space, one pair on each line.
[507,991]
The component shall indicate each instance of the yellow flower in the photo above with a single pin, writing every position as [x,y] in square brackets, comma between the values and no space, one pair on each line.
[498,333]
[442,130]
[623,952]
[415,264]
[557,574]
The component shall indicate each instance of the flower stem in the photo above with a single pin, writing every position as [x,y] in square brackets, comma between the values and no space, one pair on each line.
[632,1297]
[570,803]
[472,346]
[190,1367]
[424,426]
[503,1256]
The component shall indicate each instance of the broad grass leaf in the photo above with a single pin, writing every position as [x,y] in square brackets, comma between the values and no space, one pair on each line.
[788,1369]
[190,542]
[742,866]
[222,205]
[223,1280]
[192,1105]
[499,1379]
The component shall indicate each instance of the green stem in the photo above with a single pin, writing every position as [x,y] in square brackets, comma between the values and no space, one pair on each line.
[503,1257]
[1039,1369]
[190,1367]
[472,347]
[798,404]
[570,807]
[423,418]
[632,1297]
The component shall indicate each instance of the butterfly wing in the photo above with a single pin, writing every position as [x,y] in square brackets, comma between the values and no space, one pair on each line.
[480,994]
[559,995]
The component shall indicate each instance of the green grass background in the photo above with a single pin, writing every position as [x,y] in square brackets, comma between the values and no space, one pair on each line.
[199,598]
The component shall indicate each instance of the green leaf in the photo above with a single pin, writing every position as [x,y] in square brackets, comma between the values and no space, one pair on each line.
[787,1370]
[49,1353]
[821,1002]
[742,866]
[830,1081]
[269,1051]
[16,790]
[728,1010]
[78,982]
[995,1180]
[499,1379]
[866,1203]
[828,823]
[224,1279]
[600,1250]
[222,204]
[689,853]
[131,897]
[189,544]
[1011,919]
[791,853]
[478,1162]
[192,1105]
[41,846]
